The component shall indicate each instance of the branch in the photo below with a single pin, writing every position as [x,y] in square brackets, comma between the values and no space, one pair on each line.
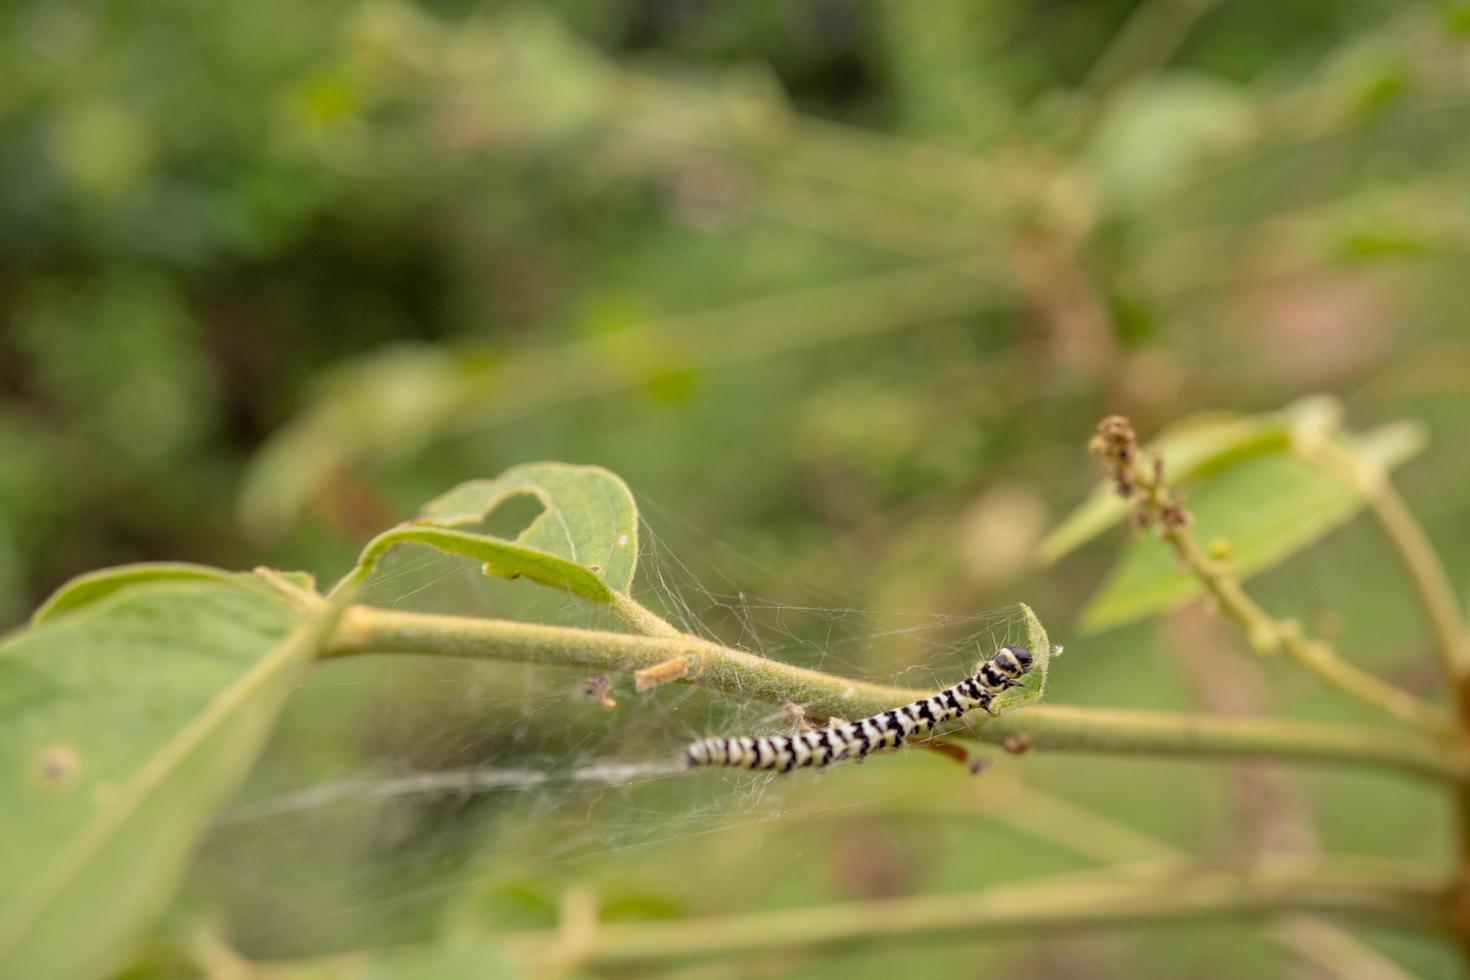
[1431,585]
[1116,443]
[368,630]
[1408,898]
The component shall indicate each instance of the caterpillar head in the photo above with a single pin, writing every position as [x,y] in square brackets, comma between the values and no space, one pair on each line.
[1022,655]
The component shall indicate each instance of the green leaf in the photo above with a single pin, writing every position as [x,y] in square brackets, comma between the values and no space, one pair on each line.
[122,726]
[590,517]
[1034,685]
[584,542]
[94,586]
[1267,509]
[1194,448]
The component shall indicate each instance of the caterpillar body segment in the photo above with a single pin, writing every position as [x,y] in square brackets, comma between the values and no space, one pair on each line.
[855,740]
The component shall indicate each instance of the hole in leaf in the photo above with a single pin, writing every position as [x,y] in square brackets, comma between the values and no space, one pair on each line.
[511,517]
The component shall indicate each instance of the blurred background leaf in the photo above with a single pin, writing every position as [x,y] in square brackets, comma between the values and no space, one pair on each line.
[1257,513]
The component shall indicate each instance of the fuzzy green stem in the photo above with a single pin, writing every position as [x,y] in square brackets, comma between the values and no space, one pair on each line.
[1403,897]
[1431,585]
[368,630]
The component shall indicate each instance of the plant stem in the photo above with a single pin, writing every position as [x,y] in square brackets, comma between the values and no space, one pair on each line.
[1431,586]
[1157,505]
[1408,898]
[638,616]
[368,630]
[1115,731]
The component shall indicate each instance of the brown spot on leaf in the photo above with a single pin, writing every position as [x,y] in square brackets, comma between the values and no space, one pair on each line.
[57,766]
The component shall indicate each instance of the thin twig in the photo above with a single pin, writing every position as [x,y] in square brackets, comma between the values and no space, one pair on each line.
[1405,897]
[1410,898]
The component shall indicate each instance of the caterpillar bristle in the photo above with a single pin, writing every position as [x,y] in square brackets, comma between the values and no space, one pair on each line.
[857,739]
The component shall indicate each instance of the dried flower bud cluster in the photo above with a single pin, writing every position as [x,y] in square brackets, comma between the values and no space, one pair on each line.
[1116,444]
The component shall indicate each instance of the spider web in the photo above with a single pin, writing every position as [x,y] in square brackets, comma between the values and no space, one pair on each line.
[405,796]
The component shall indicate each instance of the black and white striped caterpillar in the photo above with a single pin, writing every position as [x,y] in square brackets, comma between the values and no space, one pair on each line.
[854,740]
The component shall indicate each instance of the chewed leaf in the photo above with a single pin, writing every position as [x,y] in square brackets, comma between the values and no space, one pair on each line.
[1266,509]
[1034,686]
[585,541]
[590,517]
[1192,449]
[92,587]
[122,726]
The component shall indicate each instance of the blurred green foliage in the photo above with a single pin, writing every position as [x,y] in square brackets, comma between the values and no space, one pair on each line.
[843,285]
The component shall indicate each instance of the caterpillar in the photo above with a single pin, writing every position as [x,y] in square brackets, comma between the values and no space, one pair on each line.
[854,740]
